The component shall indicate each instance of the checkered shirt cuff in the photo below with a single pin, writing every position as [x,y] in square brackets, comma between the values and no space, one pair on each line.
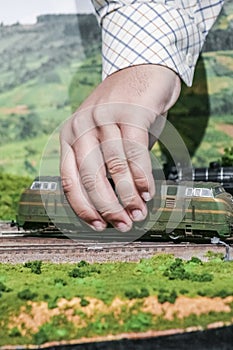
[164,32]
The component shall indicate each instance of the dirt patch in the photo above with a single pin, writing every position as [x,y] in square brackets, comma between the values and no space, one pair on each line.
[34,314]
[184,306]
[226,128]
[40,314]
[20,109]
[225,61]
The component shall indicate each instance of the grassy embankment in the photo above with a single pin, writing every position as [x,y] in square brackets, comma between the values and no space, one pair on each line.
[43,302]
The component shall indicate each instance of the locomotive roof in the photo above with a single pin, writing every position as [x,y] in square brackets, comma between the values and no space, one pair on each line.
[48,178]
[194,184]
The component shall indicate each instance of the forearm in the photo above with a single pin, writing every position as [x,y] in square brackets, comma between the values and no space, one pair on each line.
[155,32]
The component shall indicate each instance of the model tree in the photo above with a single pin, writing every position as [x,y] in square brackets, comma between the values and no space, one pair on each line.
[227,158]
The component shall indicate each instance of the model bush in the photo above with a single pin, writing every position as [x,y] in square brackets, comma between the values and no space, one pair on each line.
[26,294]
[177,270]
[83,269]
[84,302]
[167,296]
[134,293]
[35,266]
[3,288]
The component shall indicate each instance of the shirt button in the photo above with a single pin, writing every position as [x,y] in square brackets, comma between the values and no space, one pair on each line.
[189,60]
[202,27]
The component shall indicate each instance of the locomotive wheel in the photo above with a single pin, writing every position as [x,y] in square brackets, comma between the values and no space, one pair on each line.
[175,237]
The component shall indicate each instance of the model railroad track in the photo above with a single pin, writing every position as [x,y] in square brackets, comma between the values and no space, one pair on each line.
[63,250]
[11,230]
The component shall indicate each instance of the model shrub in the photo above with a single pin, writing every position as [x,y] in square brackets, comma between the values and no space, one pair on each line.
[195,260]
[35,266]
[167,296]
[14,332]
[26,294]
[79,273]
[84,302]
[2,287]
[134,293]
[177,271]
[82,270]
[60,281]
[40,337]
[223,293]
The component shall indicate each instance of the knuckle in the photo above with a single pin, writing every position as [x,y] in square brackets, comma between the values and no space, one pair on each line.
[67,185]
[135,154]
[117,166]
[102,115]
[126,191]
[136,151]
[89,182]
[128,199]
[75,125]
[141,182]
[98,118]
[108,210]
[83,214]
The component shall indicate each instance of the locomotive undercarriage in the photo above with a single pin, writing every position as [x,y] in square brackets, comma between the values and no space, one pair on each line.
[181,235]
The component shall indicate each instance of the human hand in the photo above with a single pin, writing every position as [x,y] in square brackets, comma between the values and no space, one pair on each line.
[108,135]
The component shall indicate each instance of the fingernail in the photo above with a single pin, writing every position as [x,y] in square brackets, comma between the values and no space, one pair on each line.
[97,225]
[146,196]
[121,226]
[137,215]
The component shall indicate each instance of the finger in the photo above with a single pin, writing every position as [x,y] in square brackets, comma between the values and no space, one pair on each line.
[74,191]
[136,149]
[156,129]
[118,168]
[92,172]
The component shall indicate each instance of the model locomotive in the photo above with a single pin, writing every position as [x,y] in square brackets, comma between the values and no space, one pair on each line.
[184,210]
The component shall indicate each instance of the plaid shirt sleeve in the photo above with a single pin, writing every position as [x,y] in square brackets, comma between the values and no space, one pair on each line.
[164,32]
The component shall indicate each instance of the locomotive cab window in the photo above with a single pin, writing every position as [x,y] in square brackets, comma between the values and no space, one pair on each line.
[219,190]
[36,185]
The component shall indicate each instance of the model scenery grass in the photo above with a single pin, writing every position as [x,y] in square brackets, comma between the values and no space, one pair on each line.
[42,302]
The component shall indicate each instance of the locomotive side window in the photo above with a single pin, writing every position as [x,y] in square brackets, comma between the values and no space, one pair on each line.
[53,186]
[44,185]
[189,192]
[197,192]
[206,192]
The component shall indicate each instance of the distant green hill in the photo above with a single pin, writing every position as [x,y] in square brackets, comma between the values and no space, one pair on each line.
[37,63]
[49,68]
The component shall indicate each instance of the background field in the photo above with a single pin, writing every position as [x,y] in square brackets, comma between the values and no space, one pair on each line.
[47,69]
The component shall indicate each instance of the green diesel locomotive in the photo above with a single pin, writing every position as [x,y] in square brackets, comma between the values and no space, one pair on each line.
[185,211]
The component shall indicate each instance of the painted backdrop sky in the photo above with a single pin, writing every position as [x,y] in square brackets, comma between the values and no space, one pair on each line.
[26,11]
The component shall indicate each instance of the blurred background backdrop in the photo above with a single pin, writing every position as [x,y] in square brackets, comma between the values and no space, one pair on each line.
[50,61]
